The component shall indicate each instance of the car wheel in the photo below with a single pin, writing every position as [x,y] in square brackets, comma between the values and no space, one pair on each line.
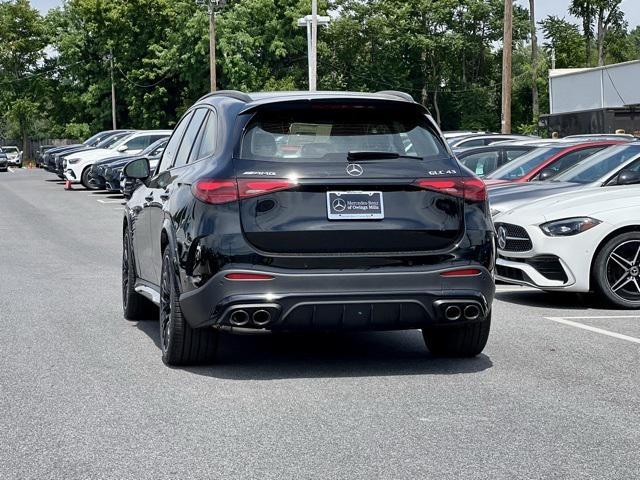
[134,305]
[616,270]
[466,340]
[84,179]
[181,344]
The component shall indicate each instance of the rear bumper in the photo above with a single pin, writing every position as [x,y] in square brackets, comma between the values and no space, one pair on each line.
[308,300]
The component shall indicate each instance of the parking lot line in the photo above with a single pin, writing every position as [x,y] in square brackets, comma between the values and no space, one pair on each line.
[10,169]
[567,321]
[109,201]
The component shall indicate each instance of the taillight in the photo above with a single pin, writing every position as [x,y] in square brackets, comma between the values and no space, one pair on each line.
[472,189]
[248,277]
[224,191]
[462,272]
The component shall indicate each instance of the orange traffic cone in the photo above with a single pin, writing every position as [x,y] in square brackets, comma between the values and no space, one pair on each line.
[67,185]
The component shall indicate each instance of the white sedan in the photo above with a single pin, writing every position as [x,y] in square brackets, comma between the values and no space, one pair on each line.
[580,241]
[78,164]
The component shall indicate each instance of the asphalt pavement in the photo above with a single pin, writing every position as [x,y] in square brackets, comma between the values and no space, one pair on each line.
[84,393]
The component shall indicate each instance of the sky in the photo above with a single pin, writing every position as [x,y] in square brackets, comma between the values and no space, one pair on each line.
[543,8]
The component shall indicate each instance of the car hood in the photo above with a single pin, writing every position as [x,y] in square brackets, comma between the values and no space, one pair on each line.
[94,155]
[512,196]
[109,161]
[584,202]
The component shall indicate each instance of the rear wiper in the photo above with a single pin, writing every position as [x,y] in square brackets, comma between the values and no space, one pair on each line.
[363,155]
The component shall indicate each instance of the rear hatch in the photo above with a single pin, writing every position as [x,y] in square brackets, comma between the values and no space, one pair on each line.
[336,178]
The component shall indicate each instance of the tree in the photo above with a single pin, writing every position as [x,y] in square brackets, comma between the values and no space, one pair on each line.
[22,44]
[564,39]
[585,10]
[607,16]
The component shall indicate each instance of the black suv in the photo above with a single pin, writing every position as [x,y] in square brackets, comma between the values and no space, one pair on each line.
[295,211]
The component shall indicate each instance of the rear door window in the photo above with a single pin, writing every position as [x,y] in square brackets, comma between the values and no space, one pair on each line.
[189,138]
[572,158]
[330,132]
[174,143]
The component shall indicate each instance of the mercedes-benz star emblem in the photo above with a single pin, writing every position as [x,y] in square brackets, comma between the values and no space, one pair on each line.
[502,237]
[339,205]
[354,170]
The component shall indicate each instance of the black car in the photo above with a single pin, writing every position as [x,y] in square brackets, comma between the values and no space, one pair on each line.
[308,211]
[40,154]
[484,160]
[4,161]
[105,174]
[53,157]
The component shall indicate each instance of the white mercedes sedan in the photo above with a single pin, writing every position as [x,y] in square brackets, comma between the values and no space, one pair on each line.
[580,241]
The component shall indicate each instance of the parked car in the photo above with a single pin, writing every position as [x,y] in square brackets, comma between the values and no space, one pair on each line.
[40,154]
[594,137]
[578,241]
[105,174]
[14,155]
[484,160]
[475,140]
[51,157]
[362,230]
[77,167]
[545,162]
[4,161]
[602,169]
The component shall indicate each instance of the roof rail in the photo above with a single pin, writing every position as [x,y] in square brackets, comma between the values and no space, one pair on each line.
[395,93]
[235,94]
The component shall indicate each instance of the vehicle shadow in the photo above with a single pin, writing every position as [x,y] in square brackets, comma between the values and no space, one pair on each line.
[325,355]
[564,300]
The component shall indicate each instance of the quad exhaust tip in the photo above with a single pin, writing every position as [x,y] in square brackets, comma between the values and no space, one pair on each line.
[453,312]
[239,318]
[471,312]
[261,317]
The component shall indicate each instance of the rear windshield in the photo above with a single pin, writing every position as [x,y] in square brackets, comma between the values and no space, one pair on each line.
[525,164]
[330,132]
[599,165]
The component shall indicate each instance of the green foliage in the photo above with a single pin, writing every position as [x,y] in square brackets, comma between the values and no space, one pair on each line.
[566,39]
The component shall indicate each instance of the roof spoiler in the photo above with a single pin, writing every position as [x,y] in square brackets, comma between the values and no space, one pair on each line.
[235,94]
[396,93]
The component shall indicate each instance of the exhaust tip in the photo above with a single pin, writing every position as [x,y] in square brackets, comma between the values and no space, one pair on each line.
[471,312]
[239,318]
[452,312]
[261,317]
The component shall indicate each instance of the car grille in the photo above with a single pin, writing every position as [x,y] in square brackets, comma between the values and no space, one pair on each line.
[517,238]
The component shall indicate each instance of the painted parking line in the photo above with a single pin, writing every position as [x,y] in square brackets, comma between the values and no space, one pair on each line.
[110,201]
[571,322]
[10,169]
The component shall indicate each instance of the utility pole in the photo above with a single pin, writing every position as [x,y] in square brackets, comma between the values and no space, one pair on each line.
[213,6]
[307,22]
[534,62]
[313,66]
[113,93]
[506,66]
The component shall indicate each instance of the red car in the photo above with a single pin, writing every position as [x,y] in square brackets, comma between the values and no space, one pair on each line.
[545,162]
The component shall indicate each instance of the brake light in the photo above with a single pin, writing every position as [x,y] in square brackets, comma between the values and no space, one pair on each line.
[463,272]
[248,277]
[225,191]
[472,189]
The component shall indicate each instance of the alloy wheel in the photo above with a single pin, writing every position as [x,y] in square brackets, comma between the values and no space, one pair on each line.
[165,308]
[125,270]
[623,270]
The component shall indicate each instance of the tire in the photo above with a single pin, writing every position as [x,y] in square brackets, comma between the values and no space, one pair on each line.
[466,340]
[181,344]
[134,305]
[616,271]
[84,179]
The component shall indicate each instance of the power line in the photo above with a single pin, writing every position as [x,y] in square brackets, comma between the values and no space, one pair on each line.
[135,84]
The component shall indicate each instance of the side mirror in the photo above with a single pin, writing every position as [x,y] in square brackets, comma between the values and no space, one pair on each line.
[628,177]
[122,148]
[137,169]
[546,174]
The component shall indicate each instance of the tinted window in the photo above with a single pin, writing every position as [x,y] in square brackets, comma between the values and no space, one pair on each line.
[512,154]
[329,132]
[481,163]
[206,138]
[189,137]
[600,164]
[572,158]
[109,141]
[476,142]
[525,164]
[138,143]
[174,143]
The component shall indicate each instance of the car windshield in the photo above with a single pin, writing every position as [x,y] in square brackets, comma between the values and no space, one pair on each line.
[599,165]
[330,132]
[112,141]
[95,140]
[10,149]
[154,146]
[525,164]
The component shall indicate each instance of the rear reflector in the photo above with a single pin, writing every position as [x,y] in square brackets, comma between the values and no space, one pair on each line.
[242,276]
[472,189]
[225,191]
[463,272]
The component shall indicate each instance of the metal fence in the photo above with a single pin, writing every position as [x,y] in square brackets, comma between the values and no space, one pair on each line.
[34,145]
